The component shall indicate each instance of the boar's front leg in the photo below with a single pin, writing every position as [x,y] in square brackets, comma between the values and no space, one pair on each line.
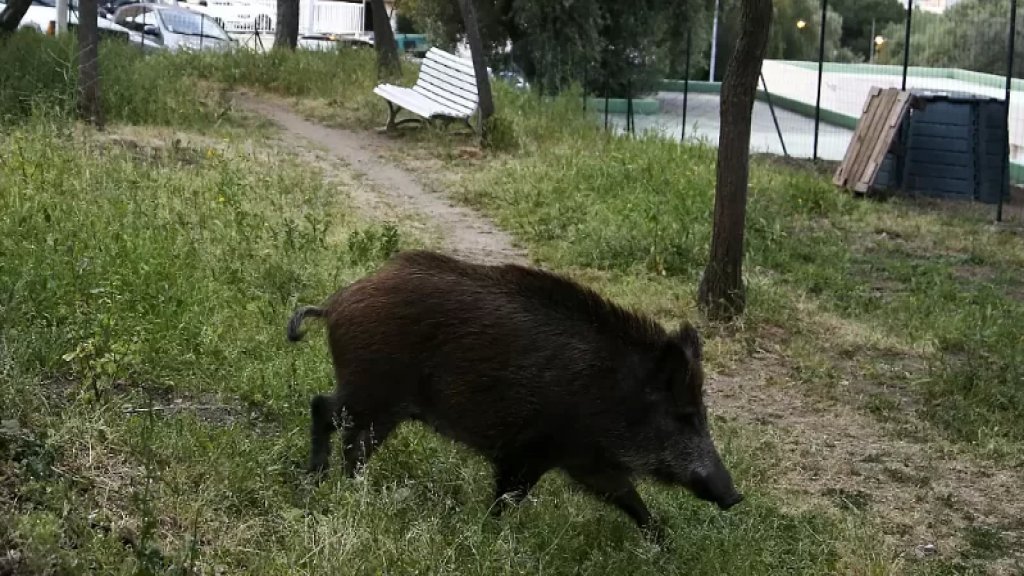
[616,488]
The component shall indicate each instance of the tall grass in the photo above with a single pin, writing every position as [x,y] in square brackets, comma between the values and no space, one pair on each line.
[153,268]
[187,90]
[164,279]
[335,85]
[40,74]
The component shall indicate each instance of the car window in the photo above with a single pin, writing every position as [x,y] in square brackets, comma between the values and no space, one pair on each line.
[135,17]
[72,4]
[192,24]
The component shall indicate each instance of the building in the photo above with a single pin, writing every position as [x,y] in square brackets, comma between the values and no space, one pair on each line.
[935,6]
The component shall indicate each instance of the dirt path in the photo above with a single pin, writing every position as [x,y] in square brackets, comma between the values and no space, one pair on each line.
[464,232]
[929,497]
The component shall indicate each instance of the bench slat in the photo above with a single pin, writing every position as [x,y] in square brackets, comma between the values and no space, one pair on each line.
[448,108]
[452,107]
[408,99]
[422,104]
[451,60]
[446,99]
[441,74]
[442,69]
[433,84]
[465,64]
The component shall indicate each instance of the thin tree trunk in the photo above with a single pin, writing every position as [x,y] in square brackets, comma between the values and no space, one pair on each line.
[12,14]
[476,48]
[388,64]
[286,32]
[90,106]
[722,294]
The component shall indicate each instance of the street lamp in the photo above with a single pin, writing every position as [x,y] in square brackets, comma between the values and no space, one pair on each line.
[876,45]
[801,24]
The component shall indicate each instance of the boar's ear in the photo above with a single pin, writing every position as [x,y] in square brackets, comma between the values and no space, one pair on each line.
[689,340]
[688,385]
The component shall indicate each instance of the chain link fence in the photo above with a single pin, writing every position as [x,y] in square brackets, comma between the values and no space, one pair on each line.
[814,89]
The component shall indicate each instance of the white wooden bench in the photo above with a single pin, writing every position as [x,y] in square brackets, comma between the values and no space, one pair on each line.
[445,90]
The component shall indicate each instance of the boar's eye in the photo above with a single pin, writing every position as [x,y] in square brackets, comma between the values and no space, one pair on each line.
[687,417]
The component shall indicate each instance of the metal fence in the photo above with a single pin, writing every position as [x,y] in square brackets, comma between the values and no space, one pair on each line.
[808,105]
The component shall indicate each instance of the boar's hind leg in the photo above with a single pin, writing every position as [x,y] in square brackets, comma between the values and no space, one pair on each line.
[362,439]
[513,480]
[616,488]
[323,423]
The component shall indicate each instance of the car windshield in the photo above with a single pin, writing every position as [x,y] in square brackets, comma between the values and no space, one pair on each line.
[73,4]
[192,24]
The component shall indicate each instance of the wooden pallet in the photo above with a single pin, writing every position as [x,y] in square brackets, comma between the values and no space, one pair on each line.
[884,112]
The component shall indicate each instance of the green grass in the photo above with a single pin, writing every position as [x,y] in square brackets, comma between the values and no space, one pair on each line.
[41,72]
[134,277]
[334,86]
[131,280]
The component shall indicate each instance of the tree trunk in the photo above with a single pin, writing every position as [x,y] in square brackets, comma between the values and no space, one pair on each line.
[722,294]
[476,48]
[388,64]
[89,105]
[12,14]
[286,31]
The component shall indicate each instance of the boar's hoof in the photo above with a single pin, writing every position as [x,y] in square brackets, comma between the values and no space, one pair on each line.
[317,469]
[655,533]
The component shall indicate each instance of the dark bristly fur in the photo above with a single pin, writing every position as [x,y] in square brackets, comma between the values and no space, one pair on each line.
[531,369]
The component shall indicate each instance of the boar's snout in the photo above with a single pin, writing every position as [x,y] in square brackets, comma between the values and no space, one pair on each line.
[735,499]
[716,485]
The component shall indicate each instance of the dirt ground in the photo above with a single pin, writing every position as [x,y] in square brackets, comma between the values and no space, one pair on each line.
[925,494]
[465,233]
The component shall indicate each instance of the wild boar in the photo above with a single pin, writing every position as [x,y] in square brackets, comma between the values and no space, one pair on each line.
[531,369]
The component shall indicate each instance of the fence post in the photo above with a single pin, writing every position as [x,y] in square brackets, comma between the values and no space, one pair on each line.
[586,74]
[906,42]
[821,71]
[629,104]
[1009,88]
[686,79]
[771,107]
[606,101]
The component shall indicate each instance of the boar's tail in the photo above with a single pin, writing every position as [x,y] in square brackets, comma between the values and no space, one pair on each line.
[295,324]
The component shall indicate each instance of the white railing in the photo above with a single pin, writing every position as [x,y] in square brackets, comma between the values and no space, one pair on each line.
[315,16]
[336,17]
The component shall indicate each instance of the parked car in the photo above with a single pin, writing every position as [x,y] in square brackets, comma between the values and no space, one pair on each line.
[42,17]
[173,27]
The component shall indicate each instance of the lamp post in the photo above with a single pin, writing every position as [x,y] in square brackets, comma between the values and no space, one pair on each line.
[714,42]
[876,45]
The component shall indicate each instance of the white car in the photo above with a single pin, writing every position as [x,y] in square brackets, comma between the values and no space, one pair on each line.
[234,16]
[173,27]
[41,16]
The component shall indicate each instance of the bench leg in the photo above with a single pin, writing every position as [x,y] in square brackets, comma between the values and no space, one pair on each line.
[393,123]
[392,114]
[410,121]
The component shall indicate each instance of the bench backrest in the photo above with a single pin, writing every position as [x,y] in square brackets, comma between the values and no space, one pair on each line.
[449,80]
